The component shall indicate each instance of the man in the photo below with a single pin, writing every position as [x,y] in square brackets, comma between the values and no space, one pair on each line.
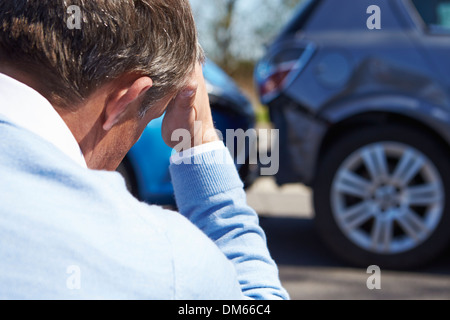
[73,101]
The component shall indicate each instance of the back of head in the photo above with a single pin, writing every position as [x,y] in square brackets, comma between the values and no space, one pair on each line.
[155,38]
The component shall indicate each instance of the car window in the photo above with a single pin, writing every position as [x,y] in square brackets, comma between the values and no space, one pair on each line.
[444,14]
[435,14]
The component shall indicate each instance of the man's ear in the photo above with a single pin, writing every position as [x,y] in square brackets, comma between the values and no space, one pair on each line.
[119,101]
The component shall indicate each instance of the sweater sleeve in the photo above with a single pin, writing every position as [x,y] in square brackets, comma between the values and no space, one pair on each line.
[210,194]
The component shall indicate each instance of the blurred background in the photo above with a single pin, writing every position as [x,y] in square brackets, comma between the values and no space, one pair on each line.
[360,93]
[235,33]
[245,38]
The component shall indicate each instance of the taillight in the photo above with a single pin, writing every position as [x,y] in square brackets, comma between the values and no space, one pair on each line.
[278,69]
[276,79]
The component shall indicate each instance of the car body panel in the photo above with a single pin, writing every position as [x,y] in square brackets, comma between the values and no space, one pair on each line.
[150,158]
[401,69]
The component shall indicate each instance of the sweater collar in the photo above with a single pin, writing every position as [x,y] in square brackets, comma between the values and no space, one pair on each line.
[26,108]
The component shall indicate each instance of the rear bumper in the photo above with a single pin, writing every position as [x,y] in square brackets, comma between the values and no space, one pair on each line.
[301,135]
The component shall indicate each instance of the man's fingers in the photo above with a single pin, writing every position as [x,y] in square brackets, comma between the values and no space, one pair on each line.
[190,107]
[186,98]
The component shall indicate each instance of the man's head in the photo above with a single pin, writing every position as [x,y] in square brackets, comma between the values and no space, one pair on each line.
[128,56]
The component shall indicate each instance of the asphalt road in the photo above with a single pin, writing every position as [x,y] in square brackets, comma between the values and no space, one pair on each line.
[309,271]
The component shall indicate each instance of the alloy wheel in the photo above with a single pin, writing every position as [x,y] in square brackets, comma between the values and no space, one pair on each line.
[387,198]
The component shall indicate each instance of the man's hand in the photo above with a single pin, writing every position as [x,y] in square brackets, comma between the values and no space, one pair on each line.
[190,111]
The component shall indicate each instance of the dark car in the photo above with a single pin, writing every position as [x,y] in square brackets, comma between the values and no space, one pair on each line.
[360,91]
[146,166]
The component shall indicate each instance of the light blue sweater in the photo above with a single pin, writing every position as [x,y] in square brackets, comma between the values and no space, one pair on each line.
[71,233]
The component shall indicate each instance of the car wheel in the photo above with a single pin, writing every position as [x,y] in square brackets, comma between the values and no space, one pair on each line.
[381,197]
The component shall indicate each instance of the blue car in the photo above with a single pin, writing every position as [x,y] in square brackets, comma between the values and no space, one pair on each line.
[145,168]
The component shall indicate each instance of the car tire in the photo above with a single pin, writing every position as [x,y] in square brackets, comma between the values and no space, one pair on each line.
[392,213]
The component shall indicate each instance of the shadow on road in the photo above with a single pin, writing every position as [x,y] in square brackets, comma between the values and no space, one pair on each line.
[295,242]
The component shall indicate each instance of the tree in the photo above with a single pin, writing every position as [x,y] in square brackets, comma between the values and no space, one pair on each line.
[222,30]
[233,31]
